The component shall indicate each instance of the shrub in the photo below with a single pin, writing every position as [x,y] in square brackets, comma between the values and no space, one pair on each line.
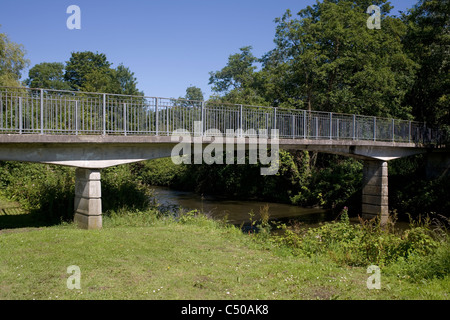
[121,189]
[435,265]
[369,243]
[159,172]
[47,191]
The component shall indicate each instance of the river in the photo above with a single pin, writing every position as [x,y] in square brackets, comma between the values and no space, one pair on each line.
[237,211]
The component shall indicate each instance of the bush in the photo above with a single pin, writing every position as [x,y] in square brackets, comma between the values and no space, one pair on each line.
[159,172]
[48,191]
[435,265]
[122,190]
[368,243]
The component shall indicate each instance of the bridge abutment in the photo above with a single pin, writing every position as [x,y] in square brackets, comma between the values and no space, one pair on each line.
[375,190]
[88,201]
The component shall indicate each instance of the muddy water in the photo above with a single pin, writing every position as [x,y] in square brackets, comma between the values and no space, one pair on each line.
[237,211]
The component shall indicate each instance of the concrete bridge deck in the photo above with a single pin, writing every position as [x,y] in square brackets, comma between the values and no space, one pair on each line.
[104,151]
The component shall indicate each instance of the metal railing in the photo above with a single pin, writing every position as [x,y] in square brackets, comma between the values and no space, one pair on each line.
[42,111]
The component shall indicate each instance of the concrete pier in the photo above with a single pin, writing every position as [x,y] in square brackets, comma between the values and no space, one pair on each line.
[88,201]
[375,190]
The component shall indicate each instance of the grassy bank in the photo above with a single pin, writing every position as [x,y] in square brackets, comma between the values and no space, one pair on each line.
[141,255]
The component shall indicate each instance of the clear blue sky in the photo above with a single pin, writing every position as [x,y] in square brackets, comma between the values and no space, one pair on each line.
[168,44]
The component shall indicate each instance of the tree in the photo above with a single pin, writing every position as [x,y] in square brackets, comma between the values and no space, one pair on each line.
[101,80]
[81,64]
[238,81]
[327,59]
[194,93]
[47,75]
[12,61]
[92,72]
[236,74]
[428,41]
[126,80]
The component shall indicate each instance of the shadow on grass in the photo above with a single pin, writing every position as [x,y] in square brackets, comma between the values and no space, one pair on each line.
[24,220]
[12,216]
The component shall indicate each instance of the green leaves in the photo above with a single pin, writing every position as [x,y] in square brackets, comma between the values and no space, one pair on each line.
[338,64]
[81,64]
[47,75]
[427,42]
[12,61]
[85,71]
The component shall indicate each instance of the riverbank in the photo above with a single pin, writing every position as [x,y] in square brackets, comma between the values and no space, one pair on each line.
[143,255]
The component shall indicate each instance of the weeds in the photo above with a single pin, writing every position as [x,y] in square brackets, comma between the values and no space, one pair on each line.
[421,250]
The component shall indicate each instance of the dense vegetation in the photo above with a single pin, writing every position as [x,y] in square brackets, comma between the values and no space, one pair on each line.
[47,191]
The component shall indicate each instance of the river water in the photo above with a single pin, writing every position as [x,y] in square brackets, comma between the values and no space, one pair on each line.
[237,211]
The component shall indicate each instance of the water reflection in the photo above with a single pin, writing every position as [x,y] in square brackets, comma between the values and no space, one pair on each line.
[237,211]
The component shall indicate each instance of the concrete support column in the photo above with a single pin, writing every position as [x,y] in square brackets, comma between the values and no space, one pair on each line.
[88,201]
[375,190]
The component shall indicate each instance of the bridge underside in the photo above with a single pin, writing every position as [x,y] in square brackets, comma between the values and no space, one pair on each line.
[89,154]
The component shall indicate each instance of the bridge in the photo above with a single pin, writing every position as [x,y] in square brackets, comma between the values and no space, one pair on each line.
[91,131]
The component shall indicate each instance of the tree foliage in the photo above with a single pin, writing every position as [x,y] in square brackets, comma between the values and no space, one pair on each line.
[428,41]
[325,58]
[238,81]
[84,71]
[194,93]
[83,67]
[49,75]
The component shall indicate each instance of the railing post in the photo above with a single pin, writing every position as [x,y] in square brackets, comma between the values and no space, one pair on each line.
[374,128]
[76,117]
[202,119]
[20,116]
[354,127]
[293,126]
[104,114]
[337,129]
[125,119]
[424,132]
[331,125]
[409,131]
[240,120]
[393,130]
[156,117]
[42,111]
[317,127]
[304,124]
[274,126]
[167,120]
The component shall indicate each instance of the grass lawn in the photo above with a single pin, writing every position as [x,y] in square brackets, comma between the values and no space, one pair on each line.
[196,260]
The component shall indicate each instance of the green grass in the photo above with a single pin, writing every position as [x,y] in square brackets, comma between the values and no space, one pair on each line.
[139,256]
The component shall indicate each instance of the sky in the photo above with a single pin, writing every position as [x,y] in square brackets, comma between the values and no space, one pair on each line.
[168,44]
